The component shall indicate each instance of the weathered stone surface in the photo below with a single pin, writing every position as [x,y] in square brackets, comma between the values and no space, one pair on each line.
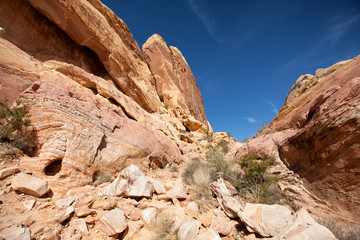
[64,202]
[64,215]
[175,82]
[80,225]
[187,229]
[29,204]
[208,234]
[108,36]
[192,209]
[178,192]
[83,211]
[266,220]
[304,227]
[228,197]
[113,222]
[159,188]
[16,233]
[138,184]
[132,229]
[116,188]
[5,172]
[31,185]
[148,216]
[104,204]
[221,225]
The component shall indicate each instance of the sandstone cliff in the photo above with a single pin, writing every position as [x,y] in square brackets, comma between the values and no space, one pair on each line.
[96,105]
[317,134]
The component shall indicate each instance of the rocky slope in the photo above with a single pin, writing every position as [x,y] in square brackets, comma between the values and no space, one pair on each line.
[105,111]
[316,134]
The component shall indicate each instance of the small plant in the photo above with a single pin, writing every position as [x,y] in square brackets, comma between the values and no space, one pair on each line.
[199,175]
[245,140]
[174,168]
[100,177]
[256,183]
[221,167]
[224,146]
[260,129]
[341,229]
[14,123]
[229,135]
[163,226]
[208,135]
[13,119]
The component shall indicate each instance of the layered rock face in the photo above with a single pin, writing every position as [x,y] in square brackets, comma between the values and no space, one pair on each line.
[175,82]
[94,102]
[317,134]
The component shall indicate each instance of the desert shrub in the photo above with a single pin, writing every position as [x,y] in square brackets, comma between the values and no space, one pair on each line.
[100,177]
[260,129]
[13,119]
[224,146]
[163,224]
[14,126]
[341,229]
[218,162]
[25,141]
[199,175]
[174,168]
[208,135]
[229,135]
[245,140]
[255,182]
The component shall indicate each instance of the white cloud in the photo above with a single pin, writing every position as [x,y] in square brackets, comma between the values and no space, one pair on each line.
[274,108]
[250,119]
[205,17]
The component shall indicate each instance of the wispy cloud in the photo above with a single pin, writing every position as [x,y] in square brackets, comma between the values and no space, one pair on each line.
[204,15]
[335,30]
[272,104]
[250,119]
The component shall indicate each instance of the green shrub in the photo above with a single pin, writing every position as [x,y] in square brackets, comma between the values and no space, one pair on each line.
[221,166]
[13,119]
[255,182]
[224,146]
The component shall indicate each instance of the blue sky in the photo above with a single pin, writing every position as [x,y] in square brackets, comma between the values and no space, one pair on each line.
[246,55]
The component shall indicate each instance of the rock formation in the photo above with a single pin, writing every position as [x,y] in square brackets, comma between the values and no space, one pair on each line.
[317,135]
[94,101]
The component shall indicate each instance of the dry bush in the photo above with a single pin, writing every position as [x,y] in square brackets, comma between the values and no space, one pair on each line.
[199,175]
[341,229]
[100,177]
[163,224]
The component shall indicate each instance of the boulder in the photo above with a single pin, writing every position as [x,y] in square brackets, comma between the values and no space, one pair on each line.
[5,172]
[208,234]
[148,216]
[30,185]
[228,197]
[64,215]
[113,222]
[177,191]
[116,188]
[80,226]
[104,204]
[192,209]
[304,227]
[221,225]
[266,220]
[64,202]
[187,229]
[83,211]
[16,233]
[29,204]
[138,184]
[159,188]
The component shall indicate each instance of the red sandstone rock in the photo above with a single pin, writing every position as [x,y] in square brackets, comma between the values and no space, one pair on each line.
[175,82]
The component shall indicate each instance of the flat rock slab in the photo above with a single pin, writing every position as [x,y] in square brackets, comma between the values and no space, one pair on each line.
[8,172]
[28,184]
[113,222]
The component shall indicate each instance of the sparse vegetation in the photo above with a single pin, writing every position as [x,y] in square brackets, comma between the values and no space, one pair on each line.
[174,168]
[257,183]
[224,146]
[221,167]
[199,175]
[14,123]
[100,177]
[342,230]
[208,135]
[163,226]
[260,129]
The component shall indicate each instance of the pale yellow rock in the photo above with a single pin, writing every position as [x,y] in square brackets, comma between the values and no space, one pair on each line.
[31,185]
[113,222]
[5,172]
